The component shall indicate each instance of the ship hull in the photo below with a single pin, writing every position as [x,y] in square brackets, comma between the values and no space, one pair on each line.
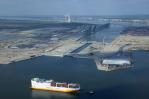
[56,90]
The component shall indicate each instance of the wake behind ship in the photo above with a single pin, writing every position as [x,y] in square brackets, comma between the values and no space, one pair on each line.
[51,85]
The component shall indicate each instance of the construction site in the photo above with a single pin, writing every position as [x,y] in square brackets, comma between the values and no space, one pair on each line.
[21,40]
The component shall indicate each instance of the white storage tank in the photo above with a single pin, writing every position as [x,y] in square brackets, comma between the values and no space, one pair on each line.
[116,61]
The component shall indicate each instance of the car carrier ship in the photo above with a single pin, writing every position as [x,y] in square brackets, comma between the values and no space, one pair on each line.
[51,85]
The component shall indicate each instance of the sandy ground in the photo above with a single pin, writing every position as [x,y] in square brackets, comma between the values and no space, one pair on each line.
[8,55]
[134,42]
[64,47]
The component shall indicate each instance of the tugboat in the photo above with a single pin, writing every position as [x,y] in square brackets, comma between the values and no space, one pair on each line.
[51,85]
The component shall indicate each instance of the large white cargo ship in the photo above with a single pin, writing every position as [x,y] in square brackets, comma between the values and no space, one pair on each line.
[51,85]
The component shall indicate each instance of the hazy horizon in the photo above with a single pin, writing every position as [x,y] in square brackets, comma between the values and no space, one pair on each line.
[73,7]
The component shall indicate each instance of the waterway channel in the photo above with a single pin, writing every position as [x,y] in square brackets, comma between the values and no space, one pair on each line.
[131,83]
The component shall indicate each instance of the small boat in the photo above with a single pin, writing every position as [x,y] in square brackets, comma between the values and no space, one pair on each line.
[91,92]
[51,85]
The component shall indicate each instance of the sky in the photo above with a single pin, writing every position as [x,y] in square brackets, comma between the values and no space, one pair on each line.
[73,7]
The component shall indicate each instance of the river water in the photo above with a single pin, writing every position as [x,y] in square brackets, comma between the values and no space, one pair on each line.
[108,34]
[123,84]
